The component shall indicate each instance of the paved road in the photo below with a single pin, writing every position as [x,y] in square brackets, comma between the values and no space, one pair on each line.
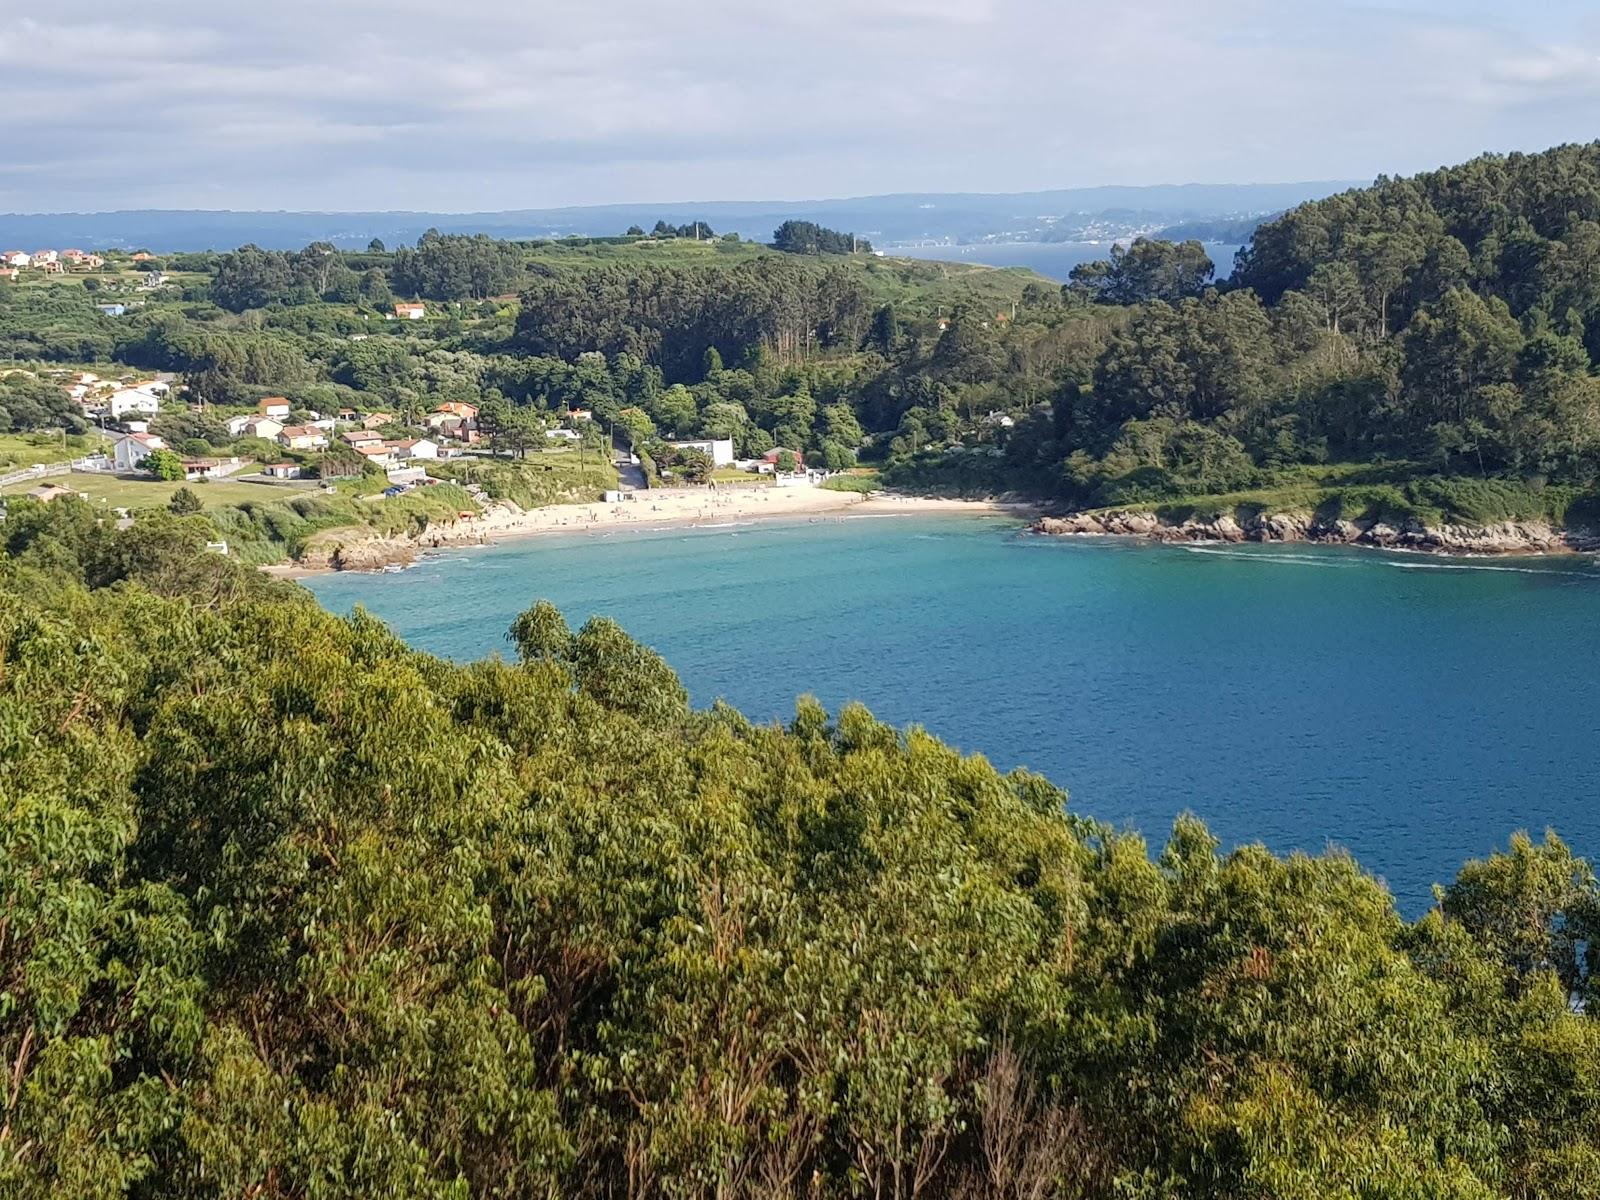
[628,474]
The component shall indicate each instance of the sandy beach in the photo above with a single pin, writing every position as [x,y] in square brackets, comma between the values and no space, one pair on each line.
[665,508]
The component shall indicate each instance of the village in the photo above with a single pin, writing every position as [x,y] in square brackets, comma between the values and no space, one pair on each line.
[282,443]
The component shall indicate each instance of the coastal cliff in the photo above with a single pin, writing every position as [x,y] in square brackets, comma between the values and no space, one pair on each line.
[1507,537]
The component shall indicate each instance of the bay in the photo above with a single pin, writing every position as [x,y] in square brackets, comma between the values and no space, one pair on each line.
[1053,260]
[1415,711]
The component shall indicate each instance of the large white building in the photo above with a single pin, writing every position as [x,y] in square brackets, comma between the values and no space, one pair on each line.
[720,450]
[131,400]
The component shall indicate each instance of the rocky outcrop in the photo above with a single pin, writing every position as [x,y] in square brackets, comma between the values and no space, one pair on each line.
[1508,537]
[357,553]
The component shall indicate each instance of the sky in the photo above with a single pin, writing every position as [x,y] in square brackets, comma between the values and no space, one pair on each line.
[476,105]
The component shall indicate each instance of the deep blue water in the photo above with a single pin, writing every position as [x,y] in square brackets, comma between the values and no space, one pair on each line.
[1053,260]
[1416,711]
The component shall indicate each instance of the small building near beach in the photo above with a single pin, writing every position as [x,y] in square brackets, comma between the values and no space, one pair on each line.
[718,450]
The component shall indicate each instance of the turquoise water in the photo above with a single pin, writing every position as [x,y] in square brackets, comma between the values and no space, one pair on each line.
[1416,711]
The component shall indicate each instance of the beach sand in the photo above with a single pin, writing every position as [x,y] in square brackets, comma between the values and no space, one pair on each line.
[669,508]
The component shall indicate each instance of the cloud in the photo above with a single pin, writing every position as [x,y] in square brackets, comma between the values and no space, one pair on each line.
[486,104]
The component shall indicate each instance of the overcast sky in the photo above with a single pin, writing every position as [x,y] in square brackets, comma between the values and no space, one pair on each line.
[462,105]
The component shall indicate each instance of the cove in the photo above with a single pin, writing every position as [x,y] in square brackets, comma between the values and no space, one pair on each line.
[1415,711]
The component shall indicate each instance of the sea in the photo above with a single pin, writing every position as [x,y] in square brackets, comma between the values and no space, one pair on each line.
[1415,711]
[1053,260]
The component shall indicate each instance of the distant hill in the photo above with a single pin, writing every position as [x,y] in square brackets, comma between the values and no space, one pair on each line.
[956,217]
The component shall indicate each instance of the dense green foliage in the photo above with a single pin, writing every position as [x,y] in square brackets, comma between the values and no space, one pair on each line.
[671,317]
[1144,271]
[290,910]
[807,237]
[1444,321]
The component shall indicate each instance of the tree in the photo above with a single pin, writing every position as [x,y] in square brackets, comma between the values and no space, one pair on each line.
[1147,270]
[885,329]
[164,464]
[638,425]
[807,237]
[541,634]
[184,502]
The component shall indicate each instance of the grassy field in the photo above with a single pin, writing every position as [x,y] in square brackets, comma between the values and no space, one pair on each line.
[734,475]
[912,285]
[27,449]
[544,477]
[117,491]
[861,479]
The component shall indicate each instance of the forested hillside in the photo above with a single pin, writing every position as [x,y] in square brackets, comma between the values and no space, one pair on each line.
[1419,349]
[1442,326]
[290,910]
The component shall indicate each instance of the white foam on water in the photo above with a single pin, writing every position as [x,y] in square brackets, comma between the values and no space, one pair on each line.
[1267,556]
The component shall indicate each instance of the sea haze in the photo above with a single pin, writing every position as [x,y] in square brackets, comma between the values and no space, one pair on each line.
[1414,710]
[1095,213]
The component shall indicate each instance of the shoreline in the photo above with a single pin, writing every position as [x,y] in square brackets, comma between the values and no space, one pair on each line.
[1505,539]
[677,509]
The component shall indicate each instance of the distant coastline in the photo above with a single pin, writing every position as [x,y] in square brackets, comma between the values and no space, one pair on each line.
[1054,260]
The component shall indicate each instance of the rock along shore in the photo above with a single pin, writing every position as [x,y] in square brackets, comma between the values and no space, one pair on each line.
[1508,537]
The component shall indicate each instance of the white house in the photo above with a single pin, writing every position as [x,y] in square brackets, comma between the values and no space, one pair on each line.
[132,449]
[283,470]
[719,450]
[362,437]
[206,468]
[563,435]
[415,448]
[275,407]
[410,312]
[129,400]
[380,454]
[17,258]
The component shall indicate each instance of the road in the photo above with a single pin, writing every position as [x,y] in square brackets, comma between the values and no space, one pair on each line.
[630,476]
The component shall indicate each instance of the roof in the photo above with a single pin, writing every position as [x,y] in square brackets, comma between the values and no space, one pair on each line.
[377,451]
[293,431]
[273,402]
